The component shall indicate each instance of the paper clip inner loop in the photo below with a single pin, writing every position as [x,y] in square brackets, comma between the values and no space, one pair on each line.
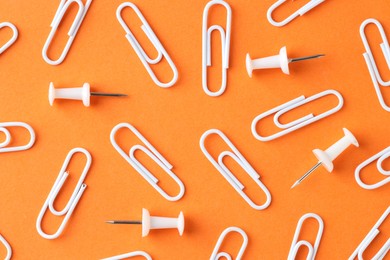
[3,129]
[132,254]
[299,123]
[153,154]
[239,158]
[13,38]
[217,255]
[145,59]
[72,203]
[7,247]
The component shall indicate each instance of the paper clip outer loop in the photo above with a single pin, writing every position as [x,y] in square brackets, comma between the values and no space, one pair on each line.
[145,59]
[7,247]
[369,238]
[369,58]
[206,46]
[72,203]
[132,254]
[217,255]
[63,7]
[380,157]
[239,158]
[153,154]
[3,129]
[306,8]
[299,123]
[13,38]
[295,245]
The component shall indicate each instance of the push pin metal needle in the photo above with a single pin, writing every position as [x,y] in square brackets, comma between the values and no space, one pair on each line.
[278,61]
[325,158]
[84,93]
[149,222]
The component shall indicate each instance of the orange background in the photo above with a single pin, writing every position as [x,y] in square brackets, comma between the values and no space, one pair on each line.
[174,119]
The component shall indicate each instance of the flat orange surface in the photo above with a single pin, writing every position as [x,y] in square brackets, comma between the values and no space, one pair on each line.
[174,119]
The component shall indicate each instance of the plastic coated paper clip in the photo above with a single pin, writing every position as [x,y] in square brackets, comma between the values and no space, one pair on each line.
[206,46]
[63,7]
[236,156]
[7,247]
[153,154]
[369,238]
[299,123]
[217,255]
[74,199]
[372,67]
[13,38]
[3,129]
[145,59]
[306,8]
[297,244]
[132,254]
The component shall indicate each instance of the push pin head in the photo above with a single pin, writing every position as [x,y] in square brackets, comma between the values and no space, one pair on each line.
[278,61]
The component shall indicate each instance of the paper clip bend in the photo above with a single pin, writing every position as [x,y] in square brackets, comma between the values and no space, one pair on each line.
[299,123]
[239,158]
[74,199]
[145,59]
[3,129]
[13,38]
[306,8]
[369,58]
[132,254]
[7,247]
[380,157]
[369,238]
[217,255]
[62,8]
[153,154]
[295,245]
[206,46]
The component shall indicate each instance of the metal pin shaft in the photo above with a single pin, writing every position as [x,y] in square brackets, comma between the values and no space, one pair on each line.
[306,58]
[128,222]
[306,175]
[107,94]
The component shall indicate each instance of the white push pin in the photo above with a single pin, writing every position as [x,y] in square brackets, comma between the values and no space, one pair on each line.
[84,93]
[325,158]
[278,61]
[149,222]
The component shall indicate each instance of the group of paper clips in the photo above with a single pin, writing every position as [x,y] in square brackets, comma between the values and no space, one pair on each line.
[282,61]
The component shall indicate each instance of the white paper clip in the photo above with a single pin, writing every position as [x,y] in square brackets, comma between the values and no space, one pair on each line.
[306,8]
[153,154]
[206,46]
[132,254]
[74,199]
[62,8]
[3,129]
[217,255]
[239,158]
[369,238]
[13,38]
[297,244]
[7,247]
[372,67]
[299,123]
[145,59]
[380,157]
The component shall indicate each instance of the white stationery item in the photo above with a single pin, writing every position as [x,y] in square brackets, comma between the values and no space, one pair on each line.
[280,60]
[299,123]
[376,77]
[7,247]
[217,255]
[358,253]
[313,248]
[145,59]
[239,158]
[6,132]
[380,157]
[13,38]
[151,222]
[62,8]
[326,158]
[304,9]
[74,199]
[82,93]
[132,254]
[153,154]
[206,46]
